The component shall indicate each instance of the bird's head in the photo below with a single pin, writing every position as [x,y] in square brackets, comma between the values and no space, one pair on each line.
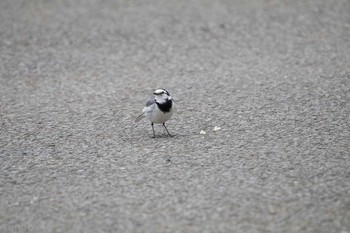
[162,95]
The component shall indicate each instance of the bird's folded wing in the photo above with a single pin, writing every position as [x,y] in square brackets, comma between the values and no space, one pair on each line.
[148,108]
[151,101]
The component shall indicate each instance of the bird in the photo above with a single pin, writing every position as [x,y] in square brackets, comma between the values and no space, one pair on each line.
[158,109]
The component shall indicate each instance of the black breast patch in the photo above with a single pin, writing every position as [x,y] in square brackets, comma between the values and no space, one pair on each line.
[166,106]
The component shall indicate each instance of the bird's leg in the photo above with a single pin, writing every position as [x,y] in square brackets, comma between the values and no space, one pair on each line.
[154,134]
[167,130]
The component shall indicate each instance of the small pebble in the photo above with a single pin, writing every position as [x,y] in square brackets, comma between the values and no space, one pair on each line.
[216,128]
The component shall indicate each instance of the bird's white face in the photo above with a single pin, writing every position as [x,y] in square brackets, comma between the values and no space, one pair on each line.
[162,95]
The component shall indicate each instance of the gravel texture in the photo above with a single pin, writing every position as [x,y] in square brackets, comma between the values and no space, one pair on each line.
[274,76]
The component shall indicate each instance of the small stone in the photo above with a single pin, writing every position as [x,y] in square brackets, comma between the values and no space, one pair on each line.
[216,128]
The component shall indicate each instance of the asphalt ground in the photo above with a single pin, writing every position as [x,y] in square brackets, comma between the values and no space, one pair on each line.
[272,77]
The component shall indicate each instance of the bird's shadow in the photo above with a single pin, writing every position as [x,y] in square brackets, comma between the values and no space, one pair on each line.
[159,136]
[174,136]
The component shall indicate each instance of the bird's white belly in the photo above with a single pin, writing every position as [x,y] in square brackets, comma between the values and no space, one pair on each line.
[157,116]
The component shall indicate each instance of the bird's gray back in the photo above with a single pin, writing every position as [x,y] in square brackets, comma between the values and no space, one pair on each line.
[151,101]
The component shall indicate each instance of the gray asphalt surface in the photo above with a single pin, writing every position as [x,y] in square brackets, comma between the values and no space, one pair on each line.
[273,75]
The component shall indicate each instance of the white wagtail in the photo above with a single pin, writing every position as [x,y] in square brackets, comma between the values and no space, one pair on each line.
[158,109]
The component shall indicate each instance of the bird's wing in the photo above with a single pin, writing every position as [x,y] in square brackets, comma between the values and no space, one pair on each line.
[146,109]
[151,101]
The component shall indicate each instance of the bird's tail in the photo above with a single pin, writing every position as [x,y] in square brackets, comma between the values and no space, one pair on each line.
[139,118]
